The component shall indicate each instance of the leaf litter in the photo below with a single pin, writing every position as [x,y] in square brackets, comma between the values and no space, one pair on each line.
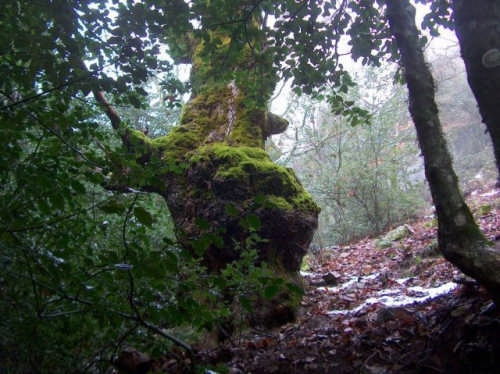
[398,308]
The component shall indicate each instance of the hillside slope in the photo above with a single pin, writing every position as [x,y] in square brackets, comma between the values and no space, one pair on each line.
[386,305]
[397,309]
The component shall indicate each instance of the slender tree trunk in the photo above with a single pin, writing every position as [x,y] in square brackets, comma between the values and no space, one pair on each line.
[460,239]
[477,25]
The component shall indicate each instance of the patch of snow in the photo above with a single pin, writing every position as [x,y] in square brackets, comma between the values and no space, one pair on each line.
[436,291]
[345,311]
[424,295]
[351,282]
[402,281]
[395,298]
[490,193]
[389,291]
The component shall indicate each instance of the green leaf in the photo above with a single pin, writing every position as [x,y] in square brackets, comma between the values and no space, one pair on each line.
[77,187]
[292,287]
[143,216]
[134,101]
[253,221]
[231,210]
[113,207]
[203,223]
[56,201]
[246,303]
[200,245]
[260,199]
[171,262]
[271,290]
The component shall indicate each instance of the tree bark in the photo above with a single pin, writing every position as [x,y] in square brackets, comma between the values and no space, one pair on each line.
[477,25]
[460,239]
[222,189]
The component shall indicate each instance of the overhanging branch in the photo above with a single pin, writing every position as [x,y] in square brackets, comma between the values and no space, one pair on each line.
[108,108]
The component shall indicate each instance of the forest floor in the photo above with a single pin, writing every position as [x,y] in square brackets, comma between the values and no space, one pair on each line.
[397,309]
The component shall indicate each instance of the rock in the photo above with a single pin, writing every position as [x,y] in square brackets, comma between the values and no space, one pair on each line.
[392,236]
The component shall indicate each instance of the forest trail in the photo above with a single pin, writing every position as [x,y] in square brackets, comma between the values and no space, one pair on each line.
[397,309]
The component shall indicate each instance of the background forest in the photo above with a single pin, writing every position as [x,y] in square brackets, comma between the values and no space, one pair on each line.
[89,263]
[369,178]
[330,155]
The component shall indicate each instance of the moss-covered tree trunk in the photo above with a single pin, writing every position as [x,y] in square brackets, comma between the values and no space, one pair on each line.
[477,25]
[223,191]
[460,239]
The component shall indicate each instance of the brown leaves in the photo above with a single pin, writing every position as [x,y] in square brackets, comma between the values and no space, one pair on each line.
[348,326]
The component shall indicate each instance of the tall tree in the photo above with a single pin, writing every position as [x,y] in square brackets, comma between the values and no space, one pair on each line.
[212,169]
[477,27]
[460,239]
[221,187]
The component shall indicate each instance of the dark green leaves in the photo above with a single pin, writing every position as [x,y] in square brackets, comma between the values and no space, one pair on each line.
[231,210]
[305,44]
[143,216]
[251,222]
[272,289]
[440,15]
[113,206]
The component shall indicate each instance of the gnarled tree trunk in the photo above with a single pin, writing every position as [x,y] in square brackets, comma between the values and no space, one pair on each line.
[223,191]
[460,239]
[477,25]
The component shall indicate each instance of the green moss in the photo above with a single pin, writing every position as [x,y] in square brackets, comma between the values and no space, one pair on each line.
[220,153]
[431,223]
[399,233]
[136,142]
[175,145]
[484,209]
[278,202]
[251,171]
[248,128]
[381,243]
[305,202]
[241,171]
[221,135]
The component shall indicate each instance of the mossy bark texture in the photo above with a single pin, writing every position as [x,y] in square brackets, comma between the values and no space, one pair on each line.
[460,239]
[224,192]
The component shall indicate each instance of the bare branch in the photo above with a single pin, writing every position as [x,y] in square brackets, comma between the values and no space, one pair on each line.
[110,112]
